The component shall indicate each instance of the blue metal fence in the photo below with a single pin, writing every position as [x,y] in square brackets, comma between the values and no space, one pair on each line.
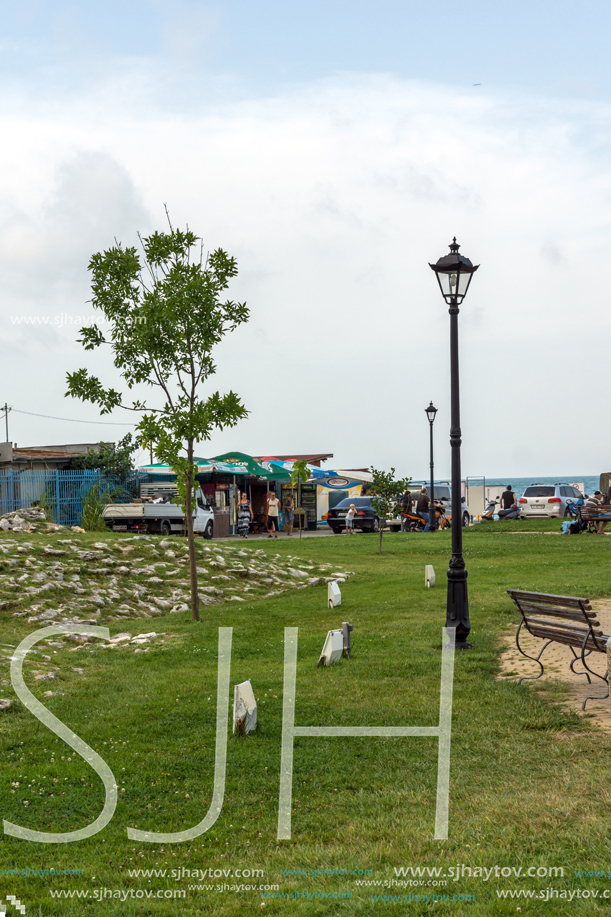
[62,491]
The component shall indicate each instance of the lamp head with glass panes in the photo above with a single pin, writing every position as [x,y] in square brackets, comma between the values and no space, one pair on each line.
[454,273]
[430,413]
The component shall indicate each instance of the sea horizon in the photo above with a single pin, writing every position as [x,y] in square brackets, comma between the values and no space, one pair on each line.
[520,483]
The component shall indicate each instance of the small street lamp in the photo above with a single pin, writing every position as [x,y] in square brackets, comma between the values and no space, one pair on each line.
[430,413]
[454,273]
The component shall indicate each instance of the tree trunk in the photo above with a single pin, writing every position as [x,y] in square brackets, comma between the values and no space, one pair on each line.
[300,507]
[191,537]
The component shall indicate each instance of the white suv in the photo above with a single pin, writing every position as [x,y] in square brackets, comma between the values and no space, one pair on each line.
[548,500]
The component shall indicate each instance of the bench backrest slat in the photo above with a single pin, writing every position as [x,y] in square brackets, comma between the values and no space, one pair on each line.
[562,627]
[571,614]
[567,601]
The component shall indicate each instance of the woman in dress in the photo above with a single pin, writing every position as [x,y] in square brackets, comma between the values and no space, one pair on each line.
[244,516]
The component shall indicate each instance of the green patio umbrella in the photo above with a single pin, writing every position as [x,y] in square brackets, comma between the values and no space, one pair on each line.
[264,472]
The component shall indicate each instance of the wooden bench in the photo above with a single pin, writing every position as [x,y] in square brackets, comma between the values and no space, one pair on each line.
[591,515]
[561,619]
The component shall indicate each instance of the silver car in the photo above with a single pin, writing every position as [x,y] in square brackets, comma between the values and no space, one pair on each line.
[443,493]
[547,500]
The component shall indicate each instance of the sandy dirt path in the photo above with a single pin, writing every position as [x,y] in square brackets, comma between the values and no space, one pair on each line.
[556,660]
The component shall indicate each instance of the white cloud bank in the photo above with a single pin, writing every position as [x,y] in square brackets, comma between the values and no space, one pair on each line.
[334,197]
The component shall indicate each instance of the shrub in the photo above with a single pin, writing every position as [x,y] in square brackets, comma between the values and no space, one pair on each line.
[95,499]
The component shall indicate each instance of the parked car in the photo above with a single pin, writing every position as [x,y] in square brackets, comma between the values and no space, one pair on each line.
[443,493]
[366,518]
[548,500]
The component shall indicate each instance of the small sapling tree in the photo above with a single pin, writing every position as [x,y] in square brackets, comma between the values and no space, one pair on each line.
[385,493]
[163,315]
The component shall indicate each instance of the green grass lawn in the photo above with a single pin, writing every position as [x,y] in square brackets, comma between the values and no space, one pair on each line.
[529,781]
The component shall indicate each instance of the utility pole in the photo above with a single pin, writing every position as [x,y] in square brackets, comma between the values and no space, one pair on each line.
[6,409]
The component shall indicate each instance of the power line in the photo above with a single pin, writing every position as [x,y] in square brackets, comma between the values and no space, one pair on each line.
[108,423]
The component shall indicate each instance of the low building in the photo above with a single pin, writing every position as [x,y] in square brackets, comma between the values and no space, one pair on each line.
[42,458]
[37,473]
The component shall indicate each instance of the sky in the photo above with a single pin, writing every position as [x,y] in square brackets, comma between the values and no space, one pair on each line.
[334,149]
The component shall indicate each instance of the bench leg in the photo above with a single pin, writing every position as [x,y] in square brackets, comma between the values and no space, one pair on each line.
[596,697]
[604,678]
[575,660]
[534,658]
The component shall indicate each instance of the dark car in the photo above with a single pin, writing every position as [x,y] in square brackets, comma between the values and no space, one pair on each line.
[366,519]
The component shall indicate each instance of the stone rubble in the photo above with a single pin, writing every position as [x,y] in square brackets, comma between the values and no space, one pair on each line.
[130,579]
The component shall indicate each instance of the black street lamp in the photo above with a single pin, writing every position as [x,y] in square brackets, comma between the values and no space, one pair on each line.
[430,413]
[454,273]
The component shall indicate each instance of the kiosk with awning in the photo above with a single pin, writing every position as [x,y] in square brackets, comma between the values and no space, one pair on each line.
[254,479]
[324,489]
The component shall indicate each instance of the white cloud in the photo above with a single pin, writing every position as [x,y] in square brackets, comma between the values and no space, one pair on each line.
[334,197]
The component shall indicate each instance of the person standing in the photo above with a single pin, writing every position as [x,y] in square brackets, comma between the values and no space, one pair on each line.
[244,516]
[289,513]
[406,502]
[350,519]
[422,507]
[508,498]
[406,508]
[273,508]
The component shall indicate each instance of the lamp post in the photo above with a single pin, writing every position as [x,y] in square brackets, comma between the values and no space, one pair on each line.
[454,273]
[430,413]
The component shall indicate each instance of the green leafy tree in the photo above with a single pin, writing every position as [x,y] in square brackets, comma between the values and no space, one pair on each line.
[163,316]
[385,493]
[299,475]
[111,459]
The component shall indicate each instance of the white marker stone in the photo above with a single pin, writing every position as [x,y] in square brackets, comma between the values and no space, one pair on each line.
[335,594]
[333,648]
[244,709]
